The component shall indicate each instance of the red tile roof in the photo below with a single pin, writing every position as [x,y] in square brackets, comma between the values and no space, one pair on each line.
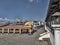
[2,25]
[15,26]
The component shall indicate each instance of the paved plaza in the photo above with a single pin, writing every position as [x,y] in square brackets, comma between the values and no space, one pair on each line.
[22,39]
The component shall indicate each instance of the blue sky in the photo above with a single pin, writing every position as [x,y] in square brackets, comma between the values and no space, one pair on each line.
[24,9]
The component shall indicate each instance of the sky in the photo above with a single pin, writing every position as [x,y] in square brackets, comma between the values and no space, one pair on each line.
[23,9]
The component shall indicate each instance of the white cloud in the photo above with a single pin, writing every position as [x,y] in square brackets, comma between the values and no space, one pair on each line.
[34,1]
[1,18]
[4,19]
[31,0]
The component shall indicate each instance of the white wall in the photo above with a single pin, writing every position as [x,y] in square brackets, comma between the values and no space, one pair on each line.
[52,39]
[57,37]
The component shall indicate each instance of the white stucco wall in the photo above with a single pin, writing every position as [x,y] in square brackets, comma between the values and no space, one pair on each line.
[57,37]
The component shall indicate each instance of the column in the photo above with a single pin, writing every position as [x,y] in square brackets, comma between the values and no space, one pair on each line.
[20,30]
[2,30]
[57,36]
[8,30]
[14,30]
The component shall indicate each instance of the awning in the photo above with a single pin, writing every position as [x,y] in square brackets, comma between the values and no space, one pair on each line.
[56,14]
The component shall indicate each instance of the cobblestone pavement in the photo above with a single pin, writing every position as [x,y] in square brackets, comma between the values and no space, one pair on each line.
[22,39]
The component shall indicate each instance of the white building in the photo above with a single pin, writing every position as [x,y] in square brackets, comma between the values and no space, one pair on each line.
[53,21]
